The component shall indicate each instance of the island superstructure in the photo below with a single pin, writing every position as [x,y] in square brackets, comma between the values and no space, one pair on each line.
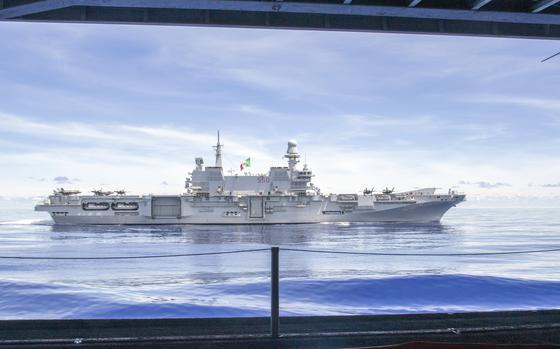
[283,195]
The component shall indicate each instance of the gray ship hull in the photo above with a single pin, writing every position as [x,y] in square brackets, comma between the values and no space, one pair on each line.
[416,213]
[231,214]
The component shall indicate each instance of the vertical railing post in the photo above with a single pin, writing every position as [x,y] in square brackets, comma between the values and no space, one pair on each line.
[274,292]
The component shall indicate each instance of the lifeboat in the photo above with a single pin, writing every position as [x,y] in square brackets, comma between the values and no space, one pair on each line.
[95,206]
[124,206]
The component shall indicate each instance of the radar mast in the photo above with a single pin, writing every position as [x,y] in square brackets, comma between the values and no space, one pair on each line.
[218,148]
[292,154]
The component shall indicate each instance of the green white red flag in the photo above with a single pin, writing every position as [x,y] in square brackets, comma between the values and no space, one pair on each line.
[246,163]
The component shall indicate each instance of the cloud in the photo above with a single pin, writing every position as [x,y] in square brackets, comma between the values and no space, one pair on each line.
[153,138]
[387,121]
[135,155]
[65,180]
[36,179]
[551,185]
[62,180]
[492,185]
[84,107]
[486,185]
[549,104]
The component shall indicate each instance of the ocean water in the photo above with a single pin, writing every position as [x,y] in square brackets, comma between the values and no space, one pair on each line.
[311,283]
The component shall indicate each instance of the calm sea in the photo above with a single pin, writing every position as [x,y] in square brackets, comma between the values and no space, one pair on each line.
[311,283]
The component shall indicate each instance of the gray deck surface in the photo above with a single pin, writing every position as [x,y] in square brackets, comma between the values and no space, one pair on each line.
[527,327]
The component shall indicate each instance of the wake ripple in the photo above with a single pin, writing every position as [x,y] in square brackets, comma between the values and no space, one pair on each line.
[27,222]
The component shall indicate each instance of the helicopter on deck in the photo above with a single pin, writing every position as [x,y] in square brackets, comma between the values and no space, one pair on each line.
[100,192]
[388,191]
[62,191]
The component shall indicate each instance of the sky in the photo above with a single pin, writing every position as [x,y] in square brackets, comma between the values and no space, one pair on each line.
[123,106]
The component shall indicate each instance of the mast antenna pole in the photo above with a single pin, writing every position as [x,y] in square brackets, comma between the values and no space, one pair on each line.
[218,148]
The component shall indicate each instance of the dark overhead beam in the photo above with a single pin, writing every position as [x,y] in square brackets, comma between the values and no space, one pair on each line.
[413,3]
[290,7]
[344,15]
[477,4]
[34,7]
[543,5]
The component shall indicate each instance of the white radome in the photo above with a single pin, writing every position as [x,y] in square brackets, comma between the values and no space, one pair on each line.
[292,147]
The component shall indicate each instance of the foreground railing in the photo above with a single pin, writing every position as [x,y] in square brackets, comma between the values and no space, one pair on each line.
[275,266]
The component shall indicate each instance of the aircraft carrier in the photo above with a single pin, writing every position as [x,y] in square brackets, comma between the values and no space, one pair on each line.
[283,195]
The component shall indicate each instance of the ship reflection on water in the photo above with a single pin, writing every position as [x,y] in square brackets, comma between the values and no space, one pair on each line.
[174,239]
[432,235]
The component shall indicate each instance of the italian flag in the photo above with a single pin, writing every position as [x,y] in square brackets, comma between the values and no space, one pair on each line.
[246,163]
